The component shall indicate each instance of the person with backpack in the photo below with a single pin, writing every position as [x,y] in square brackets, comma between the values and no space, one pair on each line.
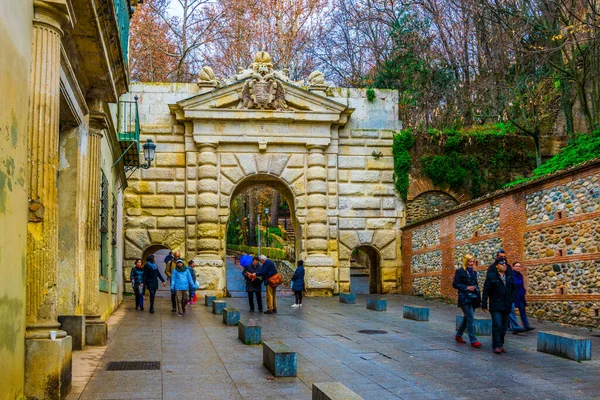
[298,284]
[469,299]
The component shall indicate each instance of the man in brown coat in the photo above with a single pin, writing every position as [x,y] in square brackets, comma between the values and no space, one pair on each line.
[171,265]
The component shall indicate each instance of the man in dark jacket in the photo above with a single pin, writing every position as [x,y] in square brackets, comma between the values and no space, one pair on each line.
[513,324]
[253,284]
[267,270]
[500,290]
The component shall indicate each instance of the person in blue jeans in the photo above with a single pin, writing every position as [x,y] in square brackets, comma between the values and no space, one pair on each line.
[500,289]
[465,282]
[521,302]
[137,281]
[181,282]
[150,279]
[513,322]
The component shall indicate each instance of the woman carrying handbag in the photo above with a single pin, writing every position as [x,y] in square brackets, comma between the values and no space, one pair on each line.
[469,298]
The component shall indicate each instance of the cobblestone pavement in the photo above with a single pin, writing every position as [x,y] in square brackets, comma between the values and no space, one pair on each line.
[202,359]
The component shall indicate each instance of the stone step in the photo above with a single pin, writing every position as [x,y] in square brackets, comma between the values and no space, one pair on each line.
[279,359]
[416,313]
[560,344]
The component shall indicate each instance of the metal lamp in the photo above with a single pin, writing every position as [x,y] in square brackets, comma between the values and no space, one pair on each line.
[149,149]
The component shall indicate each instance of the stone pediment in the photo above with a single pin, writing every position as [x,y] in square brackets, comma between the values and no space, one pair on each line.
[224,103]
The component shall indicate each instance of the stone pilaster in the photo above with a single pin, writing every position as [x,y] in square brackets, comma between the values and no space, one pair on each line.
[47,362]
[319,265]
[208,261]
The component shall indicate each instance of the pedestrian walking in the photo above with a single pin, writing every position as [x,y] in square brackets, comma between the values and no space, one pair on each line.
[168,258]
[520,301]
[137,281]
[170,266]
[150,278]
[272,279]
[469,299]
[298,284]
[513,322]
[181,281]
[253,284]
[193,288]
[499,288]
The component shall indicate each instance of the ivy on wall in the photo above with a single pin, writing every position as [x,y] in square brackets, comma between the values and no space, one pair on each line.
[404,141]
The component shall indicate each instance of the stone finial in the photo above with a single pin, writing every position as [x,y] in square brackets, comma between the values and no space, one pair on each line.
[316,83]
[206,78]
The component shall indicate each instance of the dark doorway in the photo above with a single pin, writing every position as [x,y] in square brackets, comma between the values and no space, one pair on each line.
[364,271]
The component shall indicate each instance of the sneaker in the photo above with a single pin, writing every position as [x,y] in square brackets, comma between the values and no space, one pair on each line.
[529,328]
[295,305]
[517,331]
[497,351]
[179,314]
[459,339]
[269,312]
[152,311]
[476,344]
[300,305]
[502,349]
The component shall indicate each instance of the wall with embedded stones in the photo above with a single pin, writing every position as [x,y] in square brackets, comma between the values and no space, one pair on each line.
[163,204]
[551,225]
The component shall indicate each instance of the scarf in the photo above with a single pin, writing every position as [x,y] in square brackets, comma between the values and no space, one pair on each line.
[181,269]
[152,265]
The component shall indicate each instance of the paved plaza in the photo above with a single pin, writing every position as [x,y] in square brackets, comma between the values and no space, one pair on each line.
[201,358]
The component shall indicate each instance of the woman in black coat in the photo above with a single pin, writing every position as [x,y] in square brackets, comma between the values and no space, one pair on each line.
[298,284]
[501,291]
[150,278]
[253,284]
[465,282]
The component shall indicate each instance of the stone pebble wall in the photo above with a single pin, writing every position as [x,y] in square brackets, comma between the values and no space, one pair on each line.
[427,286]
[580,277]
[581,313]
[429,204]
[484,221]
[426,262]
[483,251]
[572,238]
[426,236]
[576,197]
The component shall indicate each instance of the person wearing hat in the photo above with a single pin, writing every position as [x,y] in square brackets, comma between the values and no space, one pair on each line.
[150,278]
[513,322]
[181,282]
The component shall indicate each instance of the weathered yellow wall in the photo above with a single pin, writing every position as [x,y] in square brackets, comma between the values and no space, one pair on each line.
[15,48]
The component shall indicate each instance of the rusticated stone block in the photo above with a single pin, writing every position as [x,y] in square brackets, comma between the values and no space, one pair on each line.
[208,300]
[249,332]
[376,304]
[560,344]
[483,326]
[279,359]
[332,391]
[231,316]
[218,306]
[347,298]
[416,313]
[49,367]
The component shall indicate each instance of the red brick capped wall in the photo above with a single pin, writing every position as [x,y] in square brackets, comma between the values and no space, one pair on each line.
[551,225]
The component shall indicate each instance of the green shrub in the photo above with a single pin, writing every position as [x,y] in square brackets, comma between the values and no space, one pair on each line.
[371,95]
[403,142]
[273,253]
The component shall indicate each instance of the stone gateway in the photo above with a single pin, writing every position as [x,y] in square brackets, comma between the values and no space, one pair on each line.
[326,150]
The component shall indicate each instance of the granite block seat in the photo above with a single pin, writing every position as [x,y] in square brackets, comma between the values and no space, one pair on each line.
[416,313]
[560,344]
[218,306]
[483,326]
[279,359]
[231,316]
[249,332]
[332,391]
[348,298]
[376,304]
[208,300]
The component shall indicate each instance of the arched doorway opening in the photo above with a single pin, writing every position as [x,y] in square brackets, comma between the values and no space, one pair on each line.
[365,276]
[262,220]
[160,253]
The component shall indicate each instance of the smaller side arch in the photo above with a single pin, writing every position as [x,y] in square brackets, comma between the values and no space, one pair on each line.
[429,204]
[365,270]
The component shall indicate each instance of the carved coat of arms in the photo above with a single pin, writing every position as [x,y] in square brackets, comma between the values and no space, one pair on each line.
[262,91]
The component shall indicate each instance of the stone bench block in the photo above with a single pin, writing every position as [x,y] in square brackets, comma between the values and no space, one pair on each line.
[249,332]
[348,298]
[279,359]
[75,327]
[560,344]
[332,391]
[483,326]
[231,316]
[218,306]
[416,313]
[208,300]
[376,304]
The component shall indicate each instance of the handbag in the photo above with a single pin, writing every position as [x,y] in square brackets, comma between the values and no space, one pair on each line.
[275,280]
[474,298]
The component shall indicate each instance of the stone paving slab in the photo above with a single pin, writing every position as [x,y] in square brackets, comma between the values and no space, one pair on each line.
[203,359]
